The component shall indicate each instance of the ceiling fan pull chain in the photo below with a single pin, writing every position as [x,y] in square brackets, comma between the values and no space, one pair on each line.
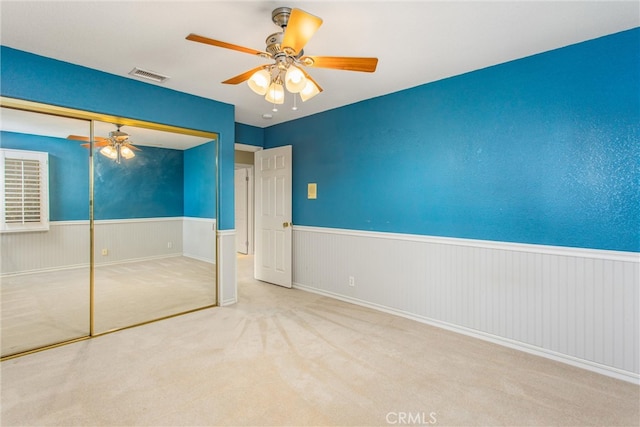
[295,106]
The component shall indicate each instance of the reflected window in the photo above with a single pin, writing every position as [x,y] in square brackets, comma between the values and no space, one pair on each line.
[24,190]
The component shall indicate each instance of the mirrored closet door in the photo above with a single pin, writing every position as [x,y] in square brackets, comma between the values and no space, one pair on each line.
[154,224]
[146,250]
[44,240]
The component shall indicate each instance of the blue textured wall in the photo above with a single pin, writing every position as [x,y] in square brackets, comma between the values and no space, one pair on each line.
[542,150]
[36,78]
[148,186]
[199,182]
[250,135]
[68,173]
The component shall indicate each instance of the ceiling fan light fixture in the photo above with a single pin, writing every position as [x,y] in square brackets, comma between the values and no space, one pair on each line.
[286,50]
[116,147]
[109,151]
[126,152]
[294,79]
[259,82]
[310,90]
[275,94]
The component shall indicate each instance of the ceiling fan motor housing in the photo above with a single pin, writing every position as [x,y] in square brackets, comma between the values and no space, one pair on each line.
[118,135]
[274,43]
[280,16]
[274,47]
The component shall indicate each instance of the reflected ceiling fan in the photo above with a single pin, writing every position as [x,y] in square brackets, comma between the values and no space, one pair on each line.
[289,61]
[116,147]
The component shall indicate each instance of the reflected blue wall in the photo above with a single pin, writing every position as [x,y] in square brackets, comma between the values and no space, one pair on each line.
[542,150]
[149,185]
[68,173]
[199,181]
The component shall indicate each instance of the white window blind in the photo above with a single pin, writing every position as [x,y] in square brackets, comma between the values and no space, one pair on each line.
[25,198]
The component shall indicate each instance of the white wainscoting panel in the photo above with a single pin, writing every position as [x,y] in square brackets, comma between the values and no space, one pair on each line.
[132,239]
[64,245]
[199,238]
[578,306]
[227,274]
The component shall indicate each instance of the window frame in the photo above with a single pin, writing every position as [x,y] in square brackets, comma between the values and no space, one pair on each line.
[43,160]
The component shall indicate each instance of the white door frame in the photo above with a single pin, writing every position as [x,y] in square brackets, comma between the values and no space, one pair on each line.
[250,210]
[241,191]
[251,207]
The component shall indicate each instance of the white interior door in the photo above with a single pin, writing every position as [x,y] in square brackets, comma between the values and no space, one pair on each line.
[273,215]
[242,210]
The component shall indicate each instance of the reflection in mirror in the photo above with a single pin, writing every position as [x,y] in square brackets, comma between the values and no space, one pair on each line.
[152,227]
[44,235]
[154,224]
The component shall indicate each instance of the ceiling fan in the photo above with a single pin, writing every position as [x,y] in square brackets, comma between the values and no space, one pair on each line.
[286,50]
[116,147]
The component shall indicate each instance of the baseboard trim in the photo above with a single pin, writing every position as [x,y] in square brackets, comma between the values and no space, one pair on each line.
[199,258]
[517,345]
[98,264]
[227,302]
[45,270]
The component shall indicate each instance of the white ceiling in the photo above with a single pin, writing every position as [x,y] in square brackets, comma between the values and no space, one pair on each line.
[416,42]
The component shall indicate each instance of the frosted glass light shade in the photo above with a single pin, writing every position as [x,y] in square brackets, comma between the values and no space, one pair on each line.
[259,82]
[126,152]
[109,151]
[295,80]
[275,94]
[310,90]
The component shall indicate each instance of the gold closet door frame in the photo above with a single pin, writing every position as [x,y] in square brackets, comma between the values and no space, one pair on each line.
[92,117]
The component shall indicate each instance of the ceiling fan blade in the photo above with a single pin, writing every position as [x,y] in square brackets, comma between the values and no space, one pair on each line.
[131,146]
[218,43]
[367,65]
[78,138]
[244,76]
[97,144]
[300,28]
[86,138]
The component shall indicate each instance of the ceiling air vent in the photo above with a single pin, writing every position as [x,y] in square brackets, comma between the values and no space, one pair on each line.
[149,75]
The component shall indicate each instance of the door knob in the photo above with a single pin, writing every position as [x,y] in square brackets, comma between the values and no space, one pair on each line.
[286,224]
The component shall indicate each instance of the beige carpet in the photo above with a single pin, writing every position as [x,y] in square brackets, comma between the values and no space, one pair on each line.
[287,357]
[40,309]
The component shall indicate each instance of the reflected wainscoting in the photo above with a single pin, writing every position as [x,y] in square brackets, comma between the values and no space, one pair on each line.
[144,269]
[66,244]
[578,306]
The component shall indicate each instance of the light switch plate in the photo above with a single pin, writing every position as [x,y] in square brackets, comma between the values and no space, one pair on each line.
[312,190]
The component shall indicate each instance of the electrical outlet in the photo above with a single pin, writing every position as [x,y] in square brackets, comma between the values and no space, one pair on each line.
[169,245]
[352,281]
[105,252]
